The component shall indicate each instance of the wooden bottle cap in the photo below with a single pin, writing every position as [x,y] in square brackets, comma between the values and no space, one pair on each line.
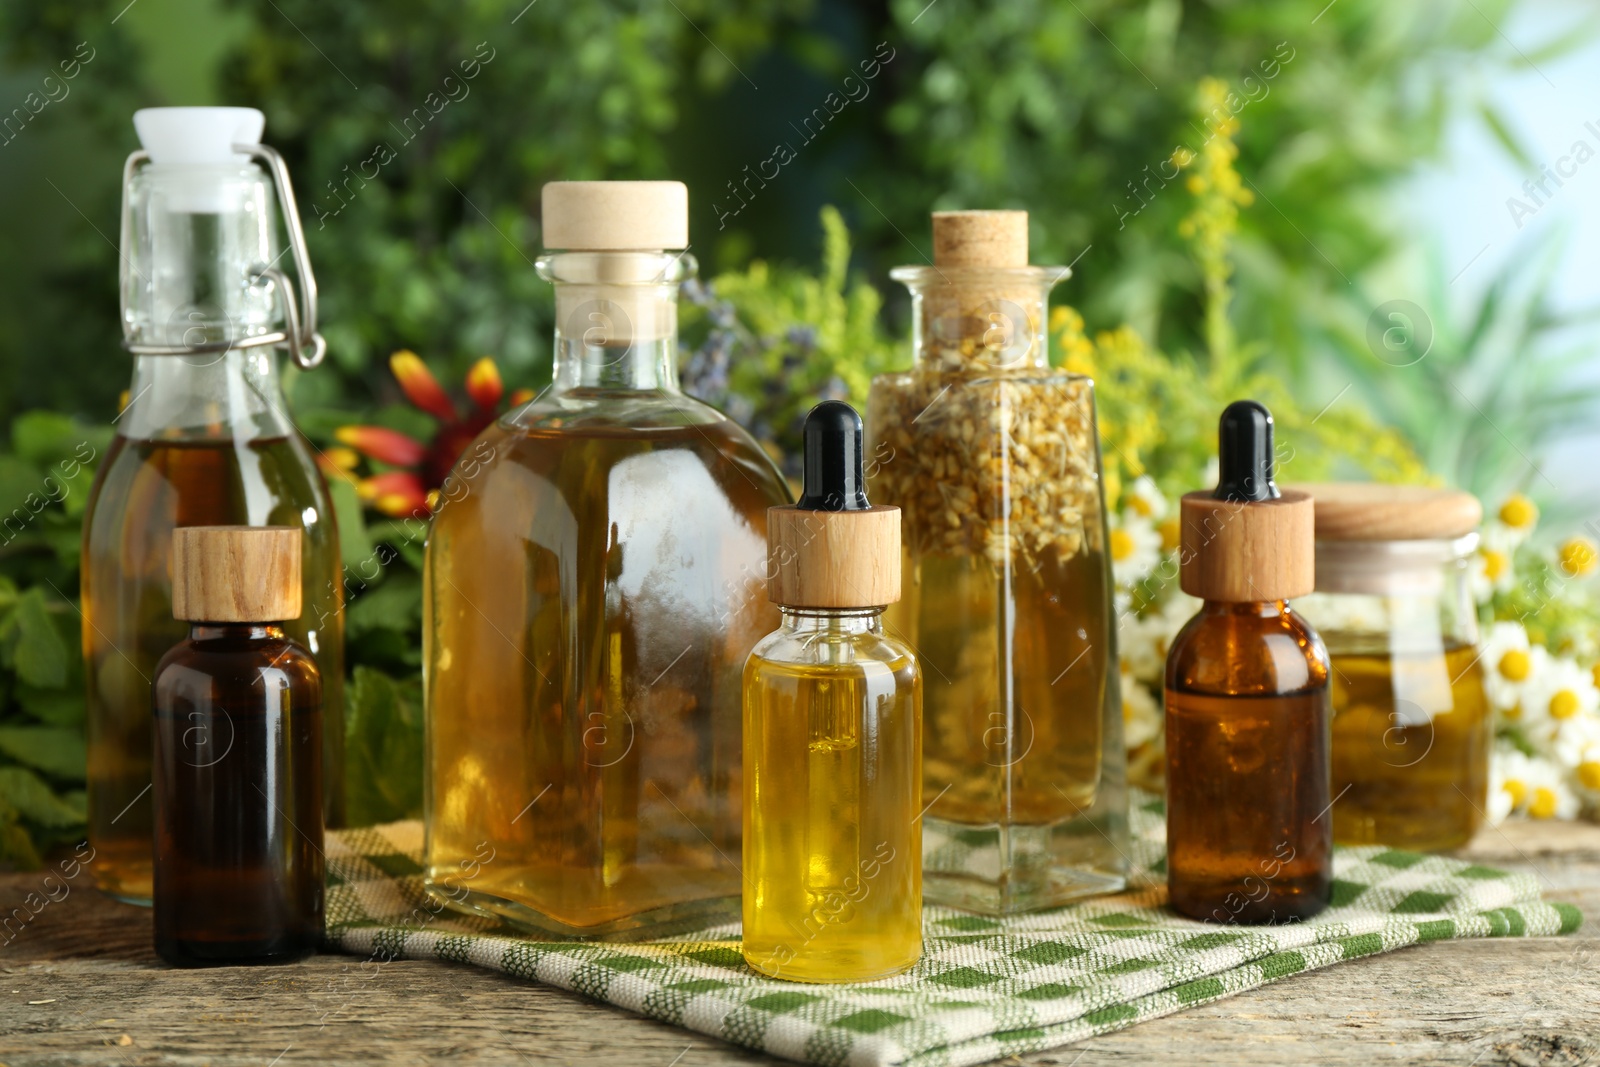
[833,559]
[980,238]
[236,573]
[615,216]
[1368,511]
[1241,552]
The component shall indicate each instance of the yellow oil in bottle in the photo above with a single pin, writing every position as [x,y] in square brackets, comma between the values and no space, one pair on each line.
[832,837]
[589,608]
[1012,731]
[143,490]
[1411,737]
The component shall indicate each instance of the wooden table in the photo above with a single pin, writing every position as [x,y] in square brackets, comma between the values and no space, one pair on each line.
[81,985]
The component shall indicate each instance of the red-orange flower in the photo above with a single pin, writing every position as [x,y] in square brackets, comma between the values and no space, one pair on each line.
[411,491]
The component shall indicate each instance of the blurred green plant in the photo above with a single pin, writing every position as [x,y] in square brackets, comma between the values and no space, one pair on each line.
[45,475]
[1483,388]
[1158,412]
[769,342]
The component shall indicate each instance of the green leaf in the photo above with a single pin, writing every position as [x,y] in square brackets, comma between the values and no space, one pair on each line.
[355,542]
[53,749]
[37,803]
[38,654]
[383,748]
[54,707]
[394,605]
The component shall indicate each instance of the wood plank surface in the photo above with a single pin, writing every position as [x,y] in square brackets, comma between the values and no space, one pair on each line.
[79,984]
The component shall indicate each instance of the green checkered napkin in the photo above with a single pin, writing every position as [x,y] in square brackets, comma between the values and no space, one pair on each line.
[985,988]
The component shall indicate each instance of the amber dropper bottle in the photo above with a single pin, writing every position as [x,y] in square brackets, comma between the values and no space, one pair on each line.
[832,736]
[1249,834]
[237,767]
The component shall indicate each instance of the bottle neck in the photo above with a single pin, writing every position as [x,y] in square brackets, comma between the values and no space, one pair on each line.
[236,631]
[233,395]
[616,319]
[1253,609]
[832,621]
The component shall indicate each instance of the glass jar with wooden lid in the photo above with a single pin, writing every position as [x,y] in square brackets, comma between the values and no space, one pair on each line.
[1411,723]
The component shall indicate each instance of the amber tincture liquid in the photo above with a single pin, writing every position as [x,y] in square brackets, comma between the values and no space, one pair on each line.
[590,608]
[237,798]
[833,844]
[143,489]
[1410,743]
[1249,836]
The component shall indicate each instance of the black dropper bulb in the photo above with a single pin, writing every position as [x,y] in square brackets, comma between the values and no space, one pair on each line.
[1244,453]
[834,479]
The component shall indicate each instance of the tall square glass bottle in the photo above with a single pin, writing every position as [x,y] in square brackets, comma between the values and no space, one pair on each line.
[993,458]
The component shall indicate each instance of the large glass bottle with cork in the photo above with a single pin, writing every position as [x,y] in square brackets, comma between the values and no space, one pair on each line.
[592,591]
[205,440]
[993,458]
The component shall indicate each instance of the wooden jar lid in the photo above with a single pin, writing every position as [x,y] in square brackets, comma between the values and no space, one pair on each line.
[1247,551]
[614,216]
[1368,511]
[833,559]
[236,573]
[980,238]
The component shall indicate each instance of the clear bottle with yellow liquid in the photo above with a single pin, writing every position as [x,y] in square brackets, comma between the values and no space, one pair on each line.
[832,736]
[594,583]
[1412,727]
[993,458]
[205,440]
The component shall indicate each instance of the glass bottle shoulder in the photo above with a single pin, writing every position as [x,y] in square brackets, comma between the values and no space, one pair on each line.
[1247,650]
[845,651]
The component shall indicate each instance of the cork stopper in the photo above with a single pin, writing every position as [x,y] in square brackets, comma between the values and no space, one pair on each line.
[833,549]
[1367,511]
[1247,540]
[615,216]
[980,238]
[236,573]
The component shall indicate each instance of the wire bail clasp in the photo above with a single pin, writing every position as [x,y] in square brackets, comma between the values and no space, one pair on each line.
[299,334]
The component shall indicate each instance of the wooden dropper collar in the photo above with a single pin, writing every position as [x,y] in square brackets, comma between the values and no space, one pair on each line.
[832,549]
[1247,541]
[236,573]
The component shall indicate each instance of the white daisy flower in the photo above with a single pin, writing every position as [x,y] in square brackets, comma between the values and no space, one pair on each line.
[1139,646]
[1557,694]
[1507,783]
[1142,716]
[1586,773]
[1135,549]
[1549,796]
[1491,568]
[1532,785]
[1571,740]
[1517,518]
[1144,499]
[1507,663]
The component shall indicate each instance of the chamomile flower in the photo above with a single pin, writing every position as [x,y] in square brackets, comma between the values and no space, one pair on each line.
[1586,774]
[1518,516]
[1508,785]
[1532,785]
[1135,549]
[1144,499]
[1491,569]
[1507,664]
[1557,693]
[1142,717]
[1578,557]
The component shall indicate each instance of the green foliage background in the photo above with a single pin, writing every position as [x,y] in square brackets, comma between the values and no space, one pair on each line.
[1068,108]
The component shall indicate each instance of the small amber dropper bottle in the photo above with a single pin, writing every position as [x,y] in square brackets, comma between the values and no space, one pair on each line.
[1249,836]
[237,767]
[832,736]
